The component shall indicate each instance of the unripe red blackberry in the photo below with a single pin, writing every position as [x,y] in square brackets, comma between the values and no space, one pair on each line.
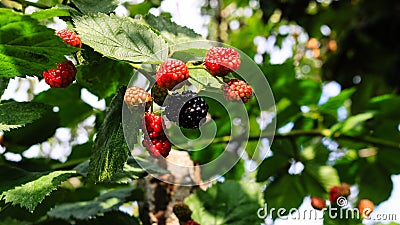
[155,140]
[344,190]
[334,194]
[219,61]
[318,203]
[61,77]
[236,90]
[171,73]
[70,37]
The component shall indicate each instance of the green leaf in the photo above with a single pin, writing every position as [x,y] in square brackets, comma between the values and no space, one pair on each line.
[351,124]
[217,205]
[171,31]
[18,114]
[122,38]
[201,78]
[72,109]
[334,103]
[113,217]
[26,47]
[375,184]
[110,148]
[103,78]
[57,11]
[3,85]
[11,177]
[10,221]
[29,195]
[271,166]
[95,6]
[335,216]
[106,202]
[190,54]
[285,192]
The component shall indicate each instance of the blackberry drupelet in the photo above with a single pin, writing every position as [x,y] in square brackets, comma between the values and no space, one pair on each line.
[186,109]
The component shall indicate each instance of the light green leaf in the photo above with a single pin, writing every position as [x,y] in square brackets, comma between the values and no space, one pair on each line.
[18,114]
[334,103]
[171,31]
[29,195]
[218,205]
[53,12]
[201,79]
[26,47]
[110,148]
[106,202]
[95,6]
[122,38]
[328,176]
[354,121]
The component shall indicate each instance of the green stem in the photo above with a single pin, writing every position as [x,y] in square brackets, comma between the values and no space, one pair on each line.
[196,66]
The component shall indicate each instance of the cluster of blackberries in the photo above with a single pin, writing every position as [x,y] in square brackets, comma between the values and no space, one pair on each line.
[187,109]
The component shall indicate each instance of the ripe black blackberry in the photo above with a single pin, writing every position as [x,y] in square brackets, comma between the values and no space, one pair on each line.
[186,109]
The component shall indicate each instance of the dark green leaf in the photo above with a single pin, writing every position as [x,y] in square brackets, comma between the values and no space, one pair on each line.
[110,148]
[26,47]
[95,6]
[121,38]
[113,217]
[72,109]
[171,31]
[106,202]
[30,194]
[375,184]
[218,205]
[11,177]
[18,114]
[43,127]
[103,78]
[285,192]
[272,166]
[3,85]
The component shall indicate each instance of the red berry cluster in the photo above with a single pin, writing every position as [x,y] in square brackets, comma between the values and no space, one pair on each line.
[236,90]
[171,73]
[219,61]
[62,76]
[70,37]
[65,72]
[155,140]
